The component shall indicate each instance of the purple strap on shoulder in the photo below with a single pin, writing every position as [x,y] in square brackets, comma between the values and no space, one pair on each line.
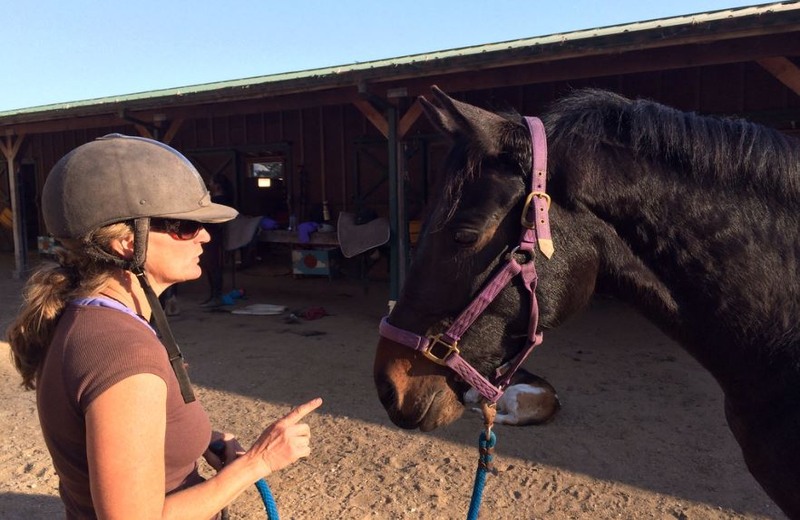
[110,303]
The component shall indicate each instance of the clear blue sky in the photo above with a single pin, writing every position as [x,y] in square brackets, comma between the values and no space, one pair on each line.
[58,51]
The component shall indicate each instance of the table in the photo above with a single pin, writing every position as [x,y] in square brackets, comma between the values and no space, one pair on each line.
[285,236]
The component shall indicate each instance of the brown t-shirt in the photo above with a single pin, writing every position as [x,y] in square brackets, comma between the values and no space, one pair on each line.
[93,348]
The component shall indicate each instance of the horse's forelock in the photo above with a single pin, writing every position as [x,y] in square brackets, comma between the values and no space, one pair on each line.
[465,160]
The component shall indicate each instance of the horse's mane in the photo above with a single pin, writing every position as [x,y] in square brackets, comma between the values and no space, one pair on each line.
[725,152]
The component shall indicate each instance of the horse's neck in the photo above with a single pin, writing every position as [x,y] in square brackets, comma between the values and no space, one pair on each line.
[690,252]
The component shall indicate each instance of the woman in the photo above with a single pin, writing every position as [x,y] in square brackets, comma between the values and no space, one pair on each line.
[117,413]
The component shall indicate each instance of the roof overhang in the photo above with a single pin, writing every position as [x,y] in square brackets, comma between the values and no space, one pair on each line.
[742,34]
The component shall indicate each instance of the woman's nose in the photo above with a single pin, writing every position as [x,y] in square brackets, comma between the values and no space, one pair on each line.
[203,236]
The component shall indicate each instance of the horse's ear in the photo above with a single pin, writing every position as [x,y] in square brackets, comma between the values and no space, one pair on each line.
[439,117]
[460,120]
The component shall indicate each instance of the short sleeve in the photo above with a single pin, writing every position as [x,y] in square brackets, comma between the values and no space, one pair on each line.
[106,347]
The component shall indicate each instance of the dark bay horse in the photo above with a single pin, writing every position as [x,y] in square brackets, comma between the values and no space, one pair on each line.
[693,220]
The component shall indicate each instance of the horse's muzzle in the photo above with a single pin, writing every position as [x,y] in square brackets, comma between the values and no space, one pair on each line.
[415,392]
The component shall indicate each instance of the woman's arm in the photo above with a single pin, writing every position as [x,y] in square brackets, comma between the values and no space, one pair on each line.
[125,433]
[125,430]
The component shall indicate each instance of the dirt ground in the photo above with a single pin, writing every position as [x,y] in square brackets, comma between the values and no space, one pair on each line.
[641,433]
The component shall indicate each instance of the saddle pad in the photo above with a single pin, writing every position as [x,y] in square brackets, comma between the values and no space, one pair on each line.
[356,239]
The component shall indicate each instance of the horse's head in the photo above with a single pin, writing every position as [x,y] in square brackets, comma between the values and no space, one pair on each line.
[474,221]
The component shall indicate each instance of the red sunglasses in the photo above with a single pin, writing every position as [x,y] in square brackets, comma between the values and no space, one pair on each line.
[177,229]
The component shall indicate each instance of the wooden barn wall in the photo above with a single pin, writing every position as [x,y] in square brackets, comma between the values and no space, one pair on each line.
[337,156]
[736,90]
[320,143]
[37,155]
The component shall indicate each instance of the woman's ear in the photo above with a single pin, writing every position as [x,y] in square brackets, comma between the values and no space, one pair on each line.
[123,247]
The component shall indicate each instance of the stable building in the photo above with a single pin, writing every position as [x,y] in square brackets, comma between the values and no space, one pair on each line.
[314,144]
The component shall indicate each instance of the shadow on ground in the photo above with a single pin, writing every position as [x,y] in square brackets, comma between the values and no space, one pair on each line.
[636,408]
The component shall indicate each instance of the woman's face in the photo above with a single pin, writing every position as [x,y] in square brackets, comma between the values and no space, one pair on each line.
[171,259]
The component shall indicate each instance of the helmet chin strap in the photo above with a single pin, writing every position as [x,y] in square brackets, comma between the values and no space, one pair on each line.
[141,229]
[162,327]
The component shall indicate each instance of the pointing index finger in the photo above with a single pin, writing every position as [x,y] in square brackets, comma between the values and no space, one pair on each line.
[302,410]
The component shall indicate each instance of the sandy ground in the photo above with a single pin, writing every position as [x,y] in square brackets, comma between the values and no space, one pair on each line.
[641,433]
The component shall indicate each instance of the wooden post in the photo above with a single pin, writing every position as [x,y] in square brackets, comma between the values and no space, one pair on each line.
[394,129]
[10,147]
[396,217]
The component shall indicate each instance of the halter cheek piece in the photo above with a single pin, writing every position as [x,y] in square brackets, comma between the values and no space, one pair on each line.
[443,348]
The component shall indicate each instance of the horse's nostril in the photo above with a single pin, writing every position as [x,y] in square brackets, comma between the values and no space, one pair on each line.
[387,393]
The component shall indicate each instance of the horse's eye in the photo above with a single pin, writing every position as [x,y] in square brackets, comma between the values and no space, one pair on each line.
[466,236]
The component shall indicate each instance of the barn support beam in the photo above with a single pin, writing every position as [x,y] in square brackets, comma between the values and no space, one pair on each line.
[398,227]
[408,119]
[9,146]
[784,70]
[373,115]
[173,128]
[155,129]
[380,121]
[394,128]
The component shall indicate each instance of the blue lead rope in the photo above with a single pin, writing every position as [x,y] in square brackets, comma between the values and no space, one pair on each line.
[268,499]
[218,447]
[486,447]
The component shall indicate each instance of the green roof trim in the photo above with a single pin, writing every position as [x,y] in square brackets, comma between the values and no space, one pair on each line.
[666,28]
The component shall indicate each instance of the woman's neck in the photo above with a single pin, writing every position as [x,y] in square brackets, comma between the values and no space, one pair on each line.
[125,288]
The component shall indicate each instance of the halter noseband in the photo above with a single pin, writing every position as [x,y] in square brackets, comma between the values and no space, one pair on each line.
[443,348]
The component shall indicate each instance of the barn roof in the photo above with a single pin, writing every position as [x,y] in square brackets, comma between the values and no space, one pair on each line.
[716,26]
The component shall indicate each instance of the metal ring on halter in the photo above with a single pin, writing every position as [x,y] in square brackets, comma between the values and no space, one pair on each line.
[521,256]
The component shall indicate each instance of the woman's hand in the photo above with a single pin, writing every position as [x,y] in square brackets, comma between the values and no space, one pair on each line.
[225,449]
[286,440]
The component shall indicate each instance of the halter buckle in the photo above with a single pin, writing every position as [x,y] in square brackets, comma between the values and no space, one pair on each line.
[531,224]
[436,340]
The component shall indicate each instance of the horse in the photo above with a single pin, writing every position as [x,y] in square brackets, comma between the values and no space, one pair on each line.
[692,219]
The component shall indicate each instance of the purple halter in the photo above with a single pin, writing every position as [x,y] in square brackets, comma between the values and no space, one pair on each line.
[443,348]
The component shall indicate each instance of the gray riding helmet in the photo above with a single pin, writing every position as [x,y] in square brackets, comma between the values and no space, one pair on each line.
[118,178]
